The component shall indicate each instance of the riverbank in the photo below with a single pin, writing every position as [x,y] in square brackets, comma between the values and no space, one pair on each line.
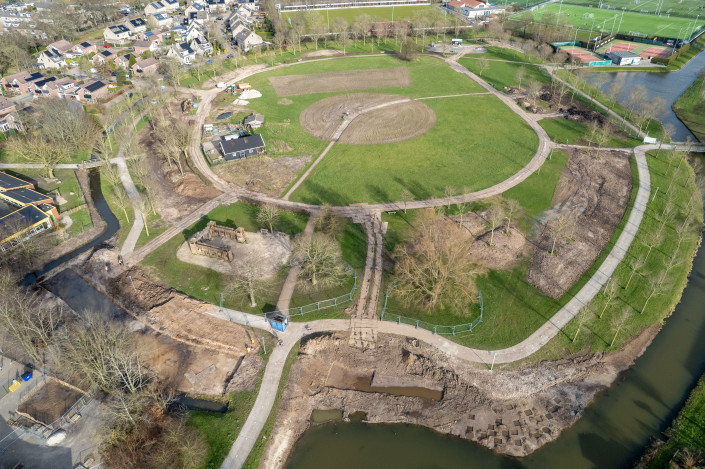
[509,412]
[690,108]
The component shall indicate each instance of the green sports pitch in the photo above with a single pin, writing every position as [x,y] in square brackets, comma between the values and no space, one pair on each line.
[684,8]
[631,23]
[399,13]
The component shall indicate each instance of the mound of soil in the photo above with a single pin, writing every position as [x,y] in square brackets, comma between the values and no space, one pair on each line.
[321,53]
[348,80]
[507,251]
[593,195]
[397,118]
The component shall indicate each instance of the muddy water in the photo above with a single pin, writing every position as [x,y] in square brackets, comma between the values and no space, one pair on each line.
[611,434]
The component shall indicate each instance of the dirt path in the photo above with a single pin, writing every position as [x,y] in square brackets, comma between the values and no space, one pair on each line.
[290,283]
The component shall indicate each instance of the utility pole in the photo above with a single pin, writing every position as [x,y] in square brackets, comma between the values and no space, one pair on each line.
[264,345]
[560,6]
[494,357]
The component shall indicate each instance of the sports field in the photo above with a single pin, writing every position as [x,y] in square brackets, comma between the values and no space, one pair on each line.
[685,8]
[455,136]
[583,55]
[643,50]
[376,13]
[599,19]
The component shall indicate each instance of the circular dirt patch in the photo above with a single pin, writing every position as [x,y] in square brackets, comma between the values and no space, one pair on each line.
[371,118]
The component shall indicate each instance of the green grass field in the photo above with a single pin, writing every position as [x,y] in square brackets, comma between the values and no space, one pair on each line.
[686,8]
[351,15]
[690,108]
[503,74]
[582,17]
[562,130]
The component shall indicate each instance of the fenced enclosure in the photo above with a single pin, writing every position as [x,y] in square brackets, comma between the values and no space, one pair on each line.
[434,328]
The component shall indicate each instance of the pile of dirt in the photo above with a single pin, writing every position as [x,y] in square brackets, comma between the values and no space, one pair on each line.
[246,374]
[334,82]
[507,249]
[591,198]
[511,412]
[263,173]
[174,314]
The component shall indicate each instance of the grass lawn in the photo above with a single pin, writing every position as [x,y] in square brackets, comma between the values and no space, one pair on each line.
[206,284]
[686,431]
[503,53]
[221,430]
[503,74]
[81,220]
[156,226]
[563,130]
[690,108]
[427,164]
[253,459]
[350,15]
[688,8]
[631,22]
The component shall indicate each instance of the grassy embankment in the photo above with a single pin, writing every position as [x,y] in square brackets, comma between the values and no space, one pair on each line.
[207,284]
[686,433]
[690,108]
[514,309]
[562,130]
[221,430]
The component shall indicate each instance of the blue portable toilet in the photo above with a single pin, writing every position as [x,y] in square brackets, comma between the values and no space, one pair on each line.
[277,320]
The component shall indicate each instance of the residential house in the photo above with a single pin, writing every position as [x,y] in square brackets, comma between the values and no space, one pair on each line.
[123,61]
[49,58]
[117,34]
[94,91]
[156,7]
[247,39]
[7,107]
[183,52]
[10,122]
[241,147]
[201,46]
[85,48]
[61,88]
[146,67]
[154,36]
[63,46]
[178,32]
[474,8]
[141,47]
[171,5]
[254,121]
[196,12]
[103,56]
[40,88]
[162,19]
[136,25]
[216,6]
[20,83]
[237,27]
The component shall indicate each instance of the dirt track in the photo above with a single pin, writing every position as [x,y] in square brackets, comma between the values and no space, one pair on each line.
[349,80]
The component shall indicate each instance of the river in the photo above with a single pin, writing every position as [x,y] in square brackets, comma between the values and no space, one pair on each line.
[668,86]
[615,428]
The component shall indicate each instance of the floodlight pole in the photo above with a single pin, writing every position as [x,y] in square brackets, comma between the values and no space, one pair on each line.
[560,6]
[494,357]
[264,345]
[620,22]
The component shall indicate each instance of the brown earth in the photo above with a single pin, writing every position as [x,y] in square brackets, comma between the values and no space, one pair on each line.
[507,249]
[262,173]
[50,401]
[348,80]
[177,195]
[593,194]
[393,123]
[511,412]
[174,314]
[321,53]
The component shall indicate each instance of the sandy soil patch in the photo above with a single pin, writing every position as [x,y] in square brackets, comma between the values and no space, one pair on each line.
[392,123]
[174,314]
[285,102]
[594,195]
[265,251]
[263,173]
[507,251]
[193,370]
[50,401]
[321,53]
[348,80]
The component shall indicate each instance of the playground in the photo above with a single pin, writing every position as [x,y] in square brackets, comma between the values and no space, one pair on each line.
[645,51]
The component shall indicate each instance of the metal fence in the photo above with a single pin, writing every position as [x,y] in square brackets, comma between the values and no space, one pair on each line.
[434,328]
[323,304]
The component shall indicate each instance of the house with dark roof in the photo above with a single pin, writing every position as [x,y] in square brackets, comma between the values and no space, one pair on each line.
[155,7]
[85,48]
[123,61]
[103,56]
[183,52]
[241,147]
[136,25]
[94,91]
[162,19]
[146,67]
[50,58]
[116,34]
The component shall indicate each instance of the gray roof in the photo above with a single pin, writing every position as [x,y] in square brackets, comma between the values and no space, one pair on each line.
[251,142]
[624,54]
[8,182]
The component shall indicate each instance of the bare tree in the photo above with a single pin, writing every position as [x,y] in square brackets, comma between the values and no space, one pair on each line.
[533,91]
[36,149]
[512,208]
[558,225]
[249,282]
[610,296]
[268,215]
[520,75]
[406,197]
[619,320]
[435,267]
[653,239]
[581,318]
[657,285]
[482,65]
[635,265]
[448,193]
[328,222]
[320,260]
